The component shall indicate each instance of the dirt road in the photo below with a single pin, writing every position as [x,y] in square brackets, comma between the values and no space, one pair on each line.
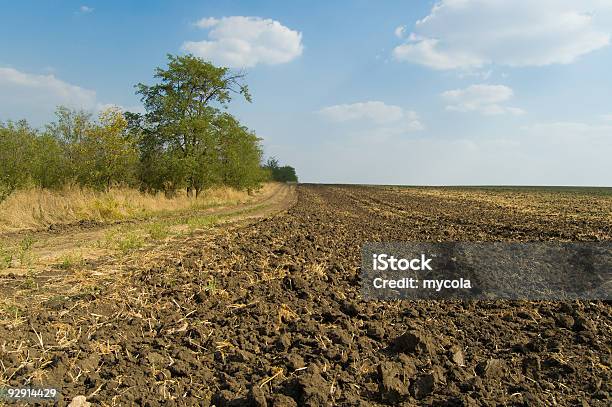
[96,243]
[269,313]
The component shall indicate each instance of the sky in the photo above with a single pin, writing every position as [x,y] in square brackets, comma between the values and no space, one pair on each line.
[449,92]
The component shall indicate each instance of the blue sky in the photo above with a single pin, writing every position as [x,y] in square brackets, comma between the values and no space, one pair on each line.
[383,92]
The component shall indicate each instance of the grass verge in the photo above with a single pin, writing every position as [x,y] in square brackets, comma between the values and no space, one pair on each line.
[39,208]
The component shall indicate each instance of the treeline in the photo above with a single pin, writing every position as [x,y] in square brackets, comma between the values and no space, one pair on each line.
[185,140]
[74,149]
[278,173]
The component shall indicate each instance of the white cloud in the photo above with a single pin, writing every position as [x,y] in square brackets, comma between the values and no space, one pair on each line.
[374,119]
[86,9]
[474,33]
[400,31]
[35,97]
[377,112]
[607,117]
[485,99]
[42,89]
[207,22]
[246,41]
[425,52]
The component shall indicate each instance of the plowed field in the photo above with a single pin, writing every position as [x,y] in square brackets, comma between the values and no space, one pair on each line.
[270,313]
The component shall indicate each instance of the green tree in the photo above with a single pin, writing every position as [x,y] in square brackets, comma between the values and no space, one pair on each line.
[28,158]
[69,130]
[272,164]
[180,110]
[105,153]
[50,168]
[16,147]
[239,154]
[70,125]
[281,174]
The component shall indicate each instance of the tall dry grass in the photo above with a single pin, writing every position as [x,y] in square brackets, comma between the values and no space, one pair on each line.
[38,208]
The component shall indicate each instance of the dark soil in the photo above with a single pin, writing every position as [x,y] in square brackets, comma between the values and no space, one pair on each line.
[271,315]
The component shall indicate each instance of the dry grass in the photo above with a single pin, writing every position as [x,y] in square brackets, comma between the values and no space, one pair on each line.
[38,208]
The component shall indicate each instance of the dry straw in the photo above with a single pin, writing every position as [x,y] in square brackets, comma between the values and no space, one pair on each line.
[39,208]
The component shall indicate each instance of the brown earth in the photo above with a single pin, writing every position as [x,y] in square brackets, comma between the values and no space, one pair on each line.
[269,312]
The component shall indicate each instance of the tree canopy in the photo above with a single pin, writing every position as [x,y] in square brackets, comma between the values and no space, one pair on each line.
[185,130]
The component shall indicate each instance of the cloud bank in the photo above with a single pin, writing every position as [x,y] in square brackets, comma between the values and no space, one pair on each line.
[469,34]
[35,96]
